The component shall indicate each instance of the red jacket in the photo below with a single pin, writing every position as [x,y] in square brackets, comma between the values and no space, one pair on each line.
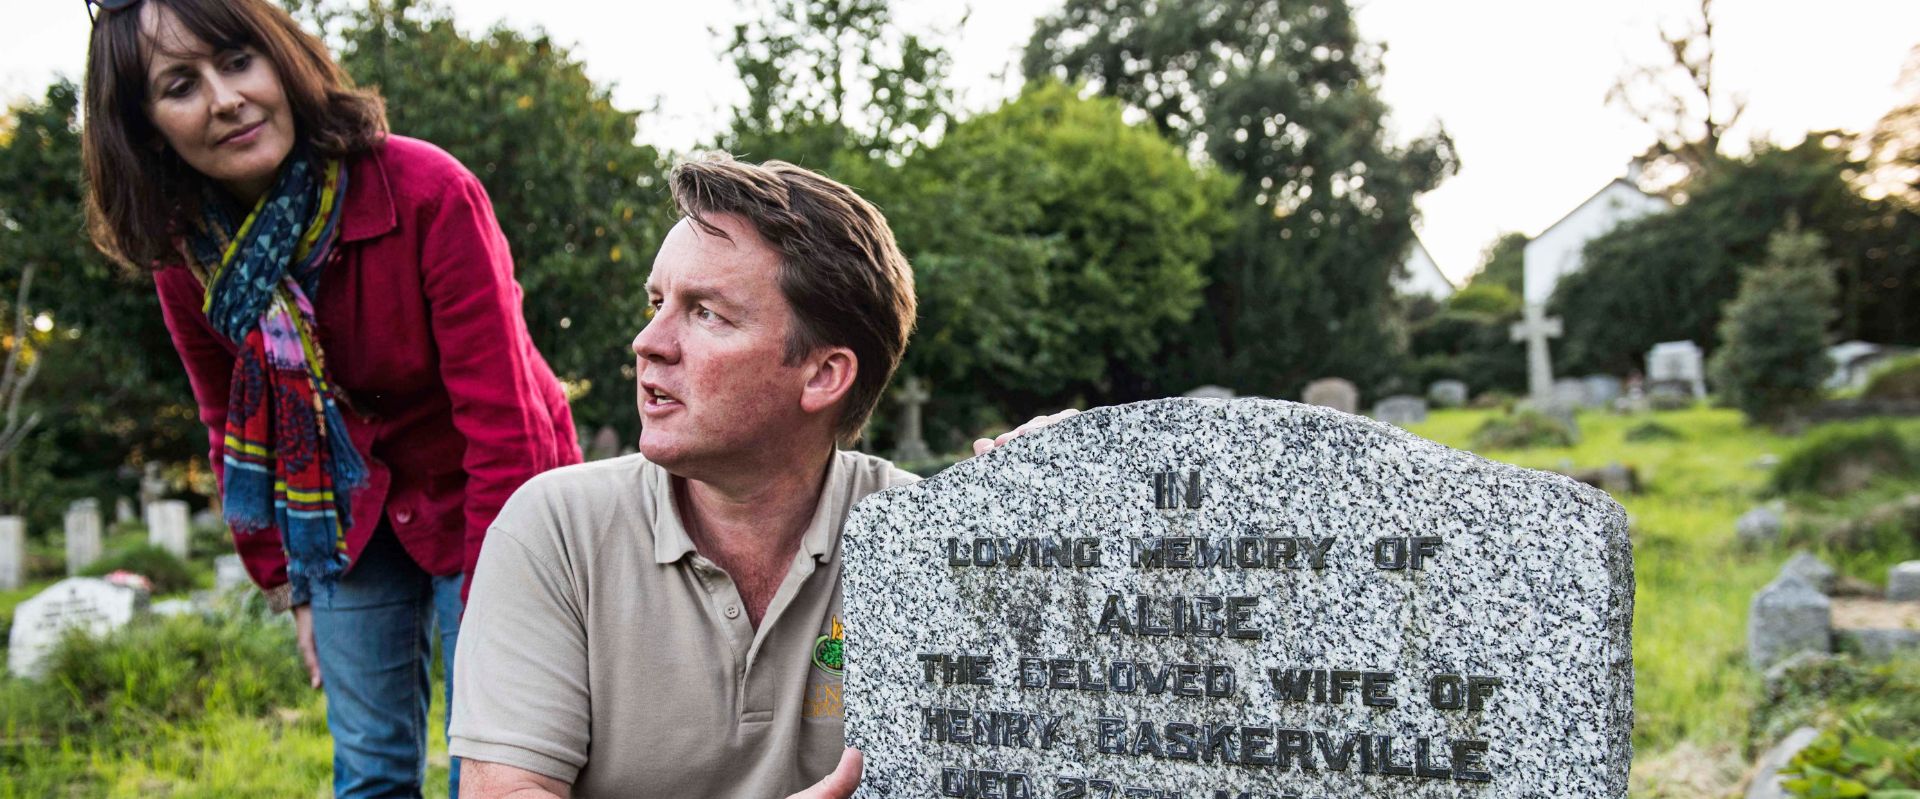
[419,319]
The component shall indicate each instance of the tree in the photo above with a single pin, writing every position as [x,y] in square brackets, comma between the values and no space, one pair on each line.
[1773,357]
[1282,95]
[834,84]
[582,205]
[1055,247]
[1504,264]
[1667,277]
[1894,146]
[1468,340]
[1679,101]
[110,390]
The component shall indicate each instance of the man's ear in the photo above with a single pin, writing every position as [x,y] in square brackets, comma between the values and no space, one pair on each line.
[830,376]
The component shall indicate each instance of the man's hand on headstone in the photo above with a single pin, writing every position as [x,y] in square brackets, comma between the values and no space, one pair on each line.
[981,446]
[839,784]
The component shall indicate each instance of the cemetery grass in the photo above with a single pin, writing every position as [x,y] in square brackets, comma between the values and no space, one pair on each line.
[1692,685]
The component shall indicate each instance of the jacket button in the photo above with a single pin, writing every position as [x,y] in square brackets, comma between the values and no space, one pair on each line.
[733,611]
[403,516]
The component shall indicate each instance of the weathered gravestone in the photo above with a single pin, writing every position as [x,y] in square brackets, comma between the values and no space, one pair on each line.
[82,525]
[85,603]
[1238,598]
[1571,392]
[1677,366]
[1602,390]
[1209,391]
[1448,393]
[167,526]
[1401,409]
[1332,392]
[13,553]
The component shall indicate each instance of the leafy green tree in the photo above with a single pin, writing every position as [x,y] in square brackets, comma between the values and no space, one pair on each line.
[1773,354]
[1281,94]
[1504,264]
[835,85]
[110,389]
[1468,340]
[1055,247]
[582,205]
[1667,277]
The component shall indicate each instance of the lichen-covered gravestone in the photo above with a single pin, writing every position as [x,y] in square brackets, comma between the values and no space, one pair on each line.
[1207,598]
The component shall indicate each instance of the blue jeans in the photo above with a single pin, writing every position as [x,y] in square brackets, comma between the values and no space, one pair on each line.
[374,639]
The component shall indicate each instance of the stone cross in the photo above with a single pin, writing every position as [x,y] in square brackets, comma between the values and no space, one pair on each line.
[83,535]
[13,553]
[911,445]
[1535,329]
[167,526]
[1241,597]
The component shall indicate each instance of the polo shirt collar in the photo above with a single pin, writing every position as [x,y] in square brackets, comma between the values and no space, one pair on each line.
[369,212]
[821,541]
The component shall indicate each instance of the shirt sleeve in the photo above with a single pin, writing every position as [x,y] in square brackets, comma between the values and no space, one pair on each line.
[209,363]
[520,695]
[486,355]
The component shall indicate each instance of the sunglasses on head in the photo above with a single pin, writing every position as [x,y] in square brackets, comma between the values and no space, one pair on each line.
[106,5]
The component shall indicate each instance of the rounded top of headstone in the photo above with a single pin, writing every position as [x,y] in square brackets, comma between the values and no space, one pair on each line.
[1790,590]
[1814,571]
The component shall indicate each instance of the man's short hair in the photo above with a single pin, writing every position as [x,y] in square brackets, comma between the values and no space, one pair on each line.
[840,268]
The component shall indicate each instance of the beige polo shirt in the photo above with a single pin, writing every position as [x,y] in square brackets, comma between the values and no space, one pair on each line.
[599,649]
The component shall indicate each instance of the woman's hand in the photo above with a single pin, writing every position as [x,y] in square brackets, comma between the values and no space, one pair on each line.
[981,446]
[303,632]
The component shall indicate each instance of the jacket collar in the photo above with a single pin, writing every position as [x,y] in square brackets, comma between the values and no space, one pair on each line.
[369,212]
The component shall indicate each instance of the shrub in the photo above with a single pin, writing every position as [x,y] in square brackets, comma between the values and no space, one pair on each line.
[156,670]
[1880,699]
[1846,763]
[1836,459]
[1897,379]
[1651,430]
[168,573]
[1522,430]
[1773,351]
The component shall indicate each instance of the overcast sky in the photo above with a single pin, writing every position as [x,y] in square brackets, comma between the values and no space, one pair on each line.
[1520,84]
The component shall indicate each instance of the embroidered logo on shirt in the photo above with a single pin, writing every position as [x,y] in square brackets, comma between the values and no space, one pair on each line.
[829,651]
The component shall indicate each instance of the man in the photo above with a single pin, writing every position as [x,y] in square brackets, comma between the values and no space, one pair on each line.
[668,623]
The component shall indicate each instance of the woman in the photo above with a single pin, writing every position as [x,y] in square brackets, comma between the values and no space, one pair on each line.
[344,303]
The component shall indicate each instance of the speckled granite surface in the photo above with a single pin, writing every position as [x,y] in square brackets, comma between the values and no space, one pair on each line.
[1032,623]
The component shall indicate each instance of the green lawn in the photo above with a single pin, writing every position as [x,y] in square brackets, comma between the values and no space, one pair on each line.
[1693,584]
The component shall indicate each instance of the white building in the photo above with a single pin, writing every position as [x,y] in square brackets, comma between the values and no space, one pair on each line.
[1555,253]
[1419,275]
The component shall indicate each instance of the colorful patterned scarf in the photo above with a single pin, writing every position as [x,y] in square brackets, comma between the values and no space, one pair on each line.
[290,464]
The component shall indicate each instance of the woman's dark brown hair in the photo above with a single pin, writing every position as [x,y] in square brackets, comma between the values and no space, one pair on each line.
[140,193]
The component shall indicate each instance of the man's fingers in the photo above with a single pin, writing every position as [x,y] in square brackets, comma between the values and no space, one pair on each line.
[981,445]
[841,783]
[303,635]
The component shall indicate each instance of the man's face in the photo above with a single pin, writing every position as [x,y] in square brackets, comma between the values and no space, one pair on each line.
[714,387]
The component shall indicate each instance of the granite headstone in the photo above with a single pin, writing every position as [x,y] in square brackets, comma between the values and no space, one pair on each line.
[13,553]
[85,603]
[1244,598]
[82,525]
[1332,392]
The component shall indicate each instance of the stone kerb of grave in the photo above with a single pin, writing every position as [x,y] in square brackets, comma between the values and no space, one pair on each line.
[84,603]
[1250,596]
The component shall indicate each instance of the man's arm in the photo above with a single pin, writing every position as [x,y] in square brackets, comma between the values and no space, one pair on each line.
[482,780]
